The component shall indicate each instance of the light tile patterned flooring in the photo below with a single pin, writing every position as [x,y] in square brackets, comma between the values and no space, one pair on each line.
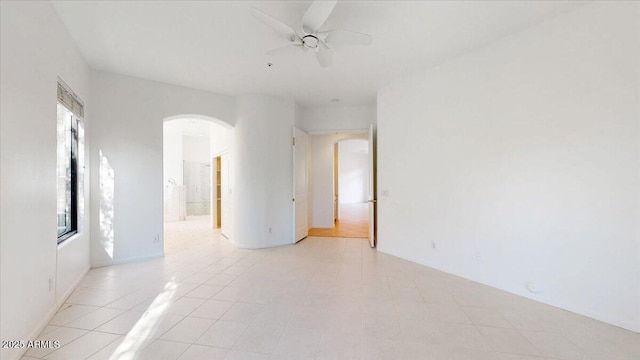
[323,298]
[353,223]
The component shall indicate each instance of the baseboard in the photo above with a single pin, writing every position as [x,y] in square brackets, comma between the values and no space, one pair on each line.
[330,227]
[75,284]
[278,243]
[627,325]
[34,334]
[266,246]
[344,131]
[127,260]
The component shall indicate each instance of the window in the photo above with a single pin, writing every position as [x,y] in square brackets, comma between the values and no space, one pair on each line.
[70,111]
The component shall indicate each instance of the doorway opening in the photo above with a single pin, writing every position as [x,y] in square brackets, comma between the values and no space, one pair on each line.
[220,206]
[194,151]
[351,177]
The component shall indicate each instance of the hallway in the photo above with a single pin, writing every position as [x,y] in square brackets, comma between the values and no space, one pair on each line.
[323,298]
[353,223]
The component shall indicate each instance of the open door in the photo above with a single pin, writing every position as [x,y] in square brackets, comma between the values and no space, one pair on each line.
[336,184]
[216,192]
[300,184]
[224,195]
[372,188]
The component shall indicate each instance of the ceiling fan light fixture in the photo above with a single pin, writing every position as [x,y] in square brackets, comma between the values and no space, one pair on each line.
[310,41]
[321,42]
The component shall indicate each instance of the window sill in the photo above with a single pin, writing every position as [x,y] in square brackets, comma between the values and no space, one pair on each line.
[69,239]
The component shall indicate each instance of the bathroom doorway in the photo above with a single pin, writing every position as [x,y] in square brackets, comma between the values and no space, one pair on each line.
[195,176]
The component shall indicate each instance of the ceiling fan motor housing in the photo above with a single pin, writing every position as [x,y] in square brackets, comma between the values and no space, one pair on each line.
[310,41]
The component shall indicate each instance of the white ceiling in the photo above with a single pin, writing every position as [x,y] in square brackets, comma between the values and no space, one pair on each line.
[219,46]
[195,128]
[357,146]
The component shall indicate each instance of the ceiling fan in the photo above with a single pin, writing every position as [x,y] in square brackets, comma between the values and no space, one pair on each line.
[311,38]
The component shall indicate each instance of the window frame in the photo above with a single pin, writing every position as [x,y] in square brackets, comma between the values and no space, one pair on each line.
[74,171]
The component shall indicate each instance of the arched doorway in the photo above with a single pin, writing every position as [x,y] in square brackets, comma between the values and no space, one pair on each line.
[196,179]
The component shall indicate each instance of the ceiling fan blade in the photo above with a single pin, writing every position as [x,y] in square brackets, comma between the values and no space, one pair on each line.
[345,38]
[277,25]
[316,15]
[287,49]
[324,57]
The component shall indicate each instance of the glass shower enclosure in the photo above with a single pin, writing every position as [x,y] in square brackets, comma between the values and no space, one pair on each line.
[197,181]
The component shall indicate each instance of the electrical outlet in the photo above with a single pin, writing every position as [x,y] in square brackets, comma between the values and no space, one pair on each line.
[478,255]
[50,284]
[433,245]
[156,238]
[270,230]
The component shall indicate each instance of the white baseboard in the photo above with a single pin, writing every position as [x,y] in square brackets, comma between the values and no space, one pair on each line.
[265,246]
[323,227]
[278,243]
[75,284]
[127,260]
[45,321]
[627,325]
[344,131]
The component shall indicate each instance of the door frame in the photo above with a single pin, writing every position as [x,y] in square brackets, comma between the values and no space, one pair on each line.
[373,198]
[294,204]
[374,179]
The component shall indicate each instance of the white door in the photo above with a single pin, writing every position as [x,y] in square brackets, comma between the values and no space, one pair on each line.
[214,193]
[336,184]
[372,188]
[224,194]
[300,184]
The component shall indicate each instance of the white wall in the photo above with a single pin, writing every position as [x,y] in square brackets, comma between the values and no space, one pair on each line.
[335,118]
[36,49]
[128,130]
[197,149]
[520,161]
[172,152]
[263,172]
[221,139]
[321,177]
[353,171]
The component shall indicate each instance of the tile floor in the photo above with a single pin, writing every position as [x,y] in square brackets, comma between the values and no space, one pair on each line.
[324,298]
[353,223]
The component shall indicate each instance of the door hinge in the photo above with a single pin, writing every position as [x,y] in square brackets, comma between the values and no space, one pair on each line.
[294,199]
[294,141]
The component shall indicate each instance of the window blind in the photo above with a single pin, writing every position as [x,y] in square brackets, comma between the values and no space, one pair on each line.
[70,100]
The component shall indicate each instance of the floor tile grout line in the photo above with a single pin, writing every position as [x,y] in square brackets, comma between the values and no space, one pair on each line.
[95,352]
